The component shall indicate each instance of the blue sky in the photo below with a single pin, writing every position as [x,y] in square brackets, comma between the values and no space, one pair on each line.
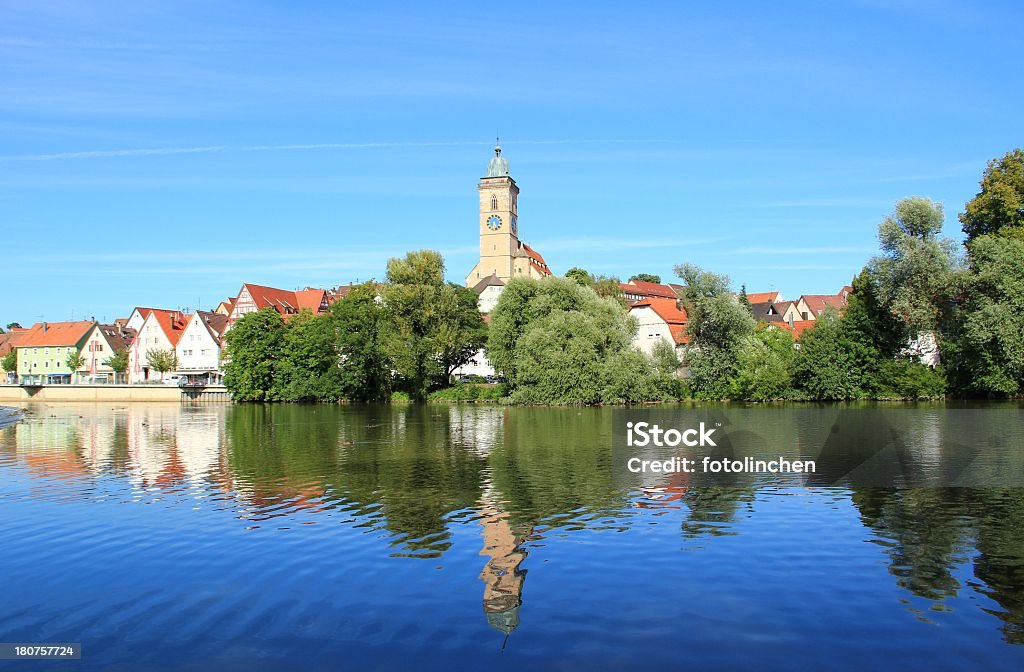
[164,153]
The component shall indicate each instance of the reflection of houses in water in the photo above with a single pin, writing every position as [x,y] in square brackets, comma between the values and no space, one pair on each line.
[503,592]
[477,428]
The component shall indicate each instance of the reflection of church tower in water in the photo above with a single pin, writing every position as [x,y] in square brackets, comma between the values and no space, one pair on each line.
[503,593]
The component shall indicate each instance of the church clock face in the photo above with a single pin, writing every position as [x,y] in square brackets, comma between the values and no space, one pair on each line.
[494,223]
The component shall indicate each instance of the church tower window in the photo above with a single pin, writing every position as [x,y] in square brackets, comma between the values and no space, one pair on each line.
[494,203]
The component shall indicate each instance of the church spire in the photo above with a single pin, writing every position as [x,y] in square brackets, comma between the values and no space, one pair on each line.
[498,167]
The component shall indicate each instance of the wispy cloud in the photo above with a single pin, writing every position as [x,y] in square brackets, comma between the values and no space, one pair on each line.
[213,149]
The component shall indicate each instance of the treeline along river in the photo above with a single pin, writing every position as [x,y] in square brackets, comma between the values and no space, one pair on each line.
[167,537]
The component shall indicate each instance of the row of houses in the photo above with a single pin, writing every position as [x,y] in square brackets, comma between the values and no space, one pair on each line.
[160,344]
[187,347]
[661,318]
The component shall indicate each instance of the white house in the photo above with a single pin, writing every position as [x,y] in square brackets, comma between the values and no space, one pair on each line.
[489,291]
[199,347]
[660,321]
[103,341]
[160,330]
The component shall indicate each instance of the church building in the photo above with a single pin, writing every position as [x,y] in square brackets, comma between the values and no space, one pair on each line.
[502,255]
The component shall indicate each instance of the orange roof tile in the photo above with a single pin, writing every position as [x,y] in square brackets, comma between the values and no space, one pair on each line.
[56,333]
[172,322]
[668,310]
[310,298]
[763,297]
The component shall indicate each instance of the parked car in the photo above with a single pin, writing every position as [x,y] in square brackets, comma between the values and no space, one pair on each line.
[174,379]
[496,379]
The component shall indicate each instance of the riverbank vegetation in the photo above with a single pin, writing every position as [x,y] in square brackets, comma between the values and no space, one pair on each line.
[926,318]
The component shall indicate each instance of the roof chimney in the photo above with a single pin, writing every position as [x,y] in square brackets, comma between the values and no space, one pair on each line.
[44,327]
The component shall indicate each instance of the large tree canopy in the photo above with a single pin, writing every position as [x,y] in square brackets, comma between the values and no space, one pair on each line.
[1000,203]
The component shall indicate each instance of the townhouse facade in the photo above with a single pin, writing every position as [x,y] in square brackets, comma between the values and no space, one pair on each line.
[43,352]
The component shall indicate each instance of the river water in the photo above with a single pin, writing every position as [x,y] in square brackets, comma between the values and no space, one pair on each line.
[215,537]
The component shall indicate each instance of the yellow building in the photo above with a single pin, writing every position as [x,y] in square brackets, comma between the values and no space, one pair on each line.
[502,254]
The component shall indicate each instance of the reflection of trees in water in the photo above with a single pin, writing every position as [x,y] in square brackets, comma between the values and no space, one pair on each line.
[409,470]
[554,468]
[932,530]
[713,509]
[397,464]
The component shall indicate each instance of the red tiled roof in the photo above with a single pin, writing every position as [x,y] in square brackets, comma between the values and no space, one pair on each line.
[172,322]
[642,288]
[817,303]
[284,301]
[56,333]
[11,340]
[310,298]
[536,260]
[763,297]
[668,310]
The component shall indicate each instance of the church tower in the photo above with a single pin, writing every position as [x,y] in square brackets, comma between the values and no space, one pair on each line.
[502,255]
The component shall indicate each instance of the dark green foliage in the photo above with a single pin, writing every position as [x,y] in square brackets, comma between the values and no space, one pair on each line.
[435,325]
[558,342]
[359,324]
[764,366]
[1000,203]
[646,277]
[309,368]
[831,366]
[254,347]
[987,335]
[580,276]
[904,379]
[421,328]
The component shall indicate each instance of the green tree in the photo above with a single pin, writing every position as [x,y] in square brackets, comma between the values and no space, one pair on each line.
[988,328]
[560,343]
[9,363]
[603,285]
[254,346]
[609,287]
[13,325]
[74,361]
[361,329]
[718,327]
[118,362]
[764,366]
[1000,203]
[744,299]
[161,360]
[830,365]
[908,287]
[432,321]
[463,333]
[646,277]
[309,365]
[581,276]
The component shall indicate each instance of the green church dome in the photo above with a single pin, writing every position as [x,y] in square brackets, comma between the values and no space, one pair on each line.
[498,167]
